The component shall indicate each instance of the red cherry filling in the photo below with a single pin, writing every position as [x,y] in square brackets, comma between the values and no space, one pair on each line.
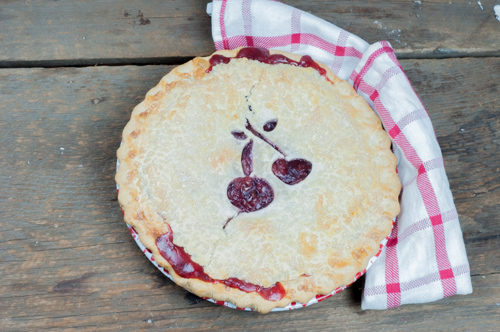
[293,171]
[180,260]
[218,59]
[250,194]
[184,266]
[274,293]
[263,55]
[254,53]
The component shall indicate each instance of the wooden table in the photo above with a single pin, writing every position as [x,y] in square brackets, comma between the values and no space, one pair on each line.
[71,72]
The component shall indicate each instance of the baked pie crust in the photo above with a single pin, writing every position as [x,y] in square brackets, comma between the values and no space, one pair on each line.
[188,142]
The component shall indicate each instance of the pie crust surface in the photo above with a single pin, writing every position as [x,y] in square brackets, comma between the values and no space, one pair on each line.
[183,148]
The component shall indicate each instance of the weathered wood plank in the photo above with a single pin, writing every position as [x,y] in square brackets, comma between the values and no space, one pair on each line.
[68,262]
[340,313]
[61,33]
[417,29]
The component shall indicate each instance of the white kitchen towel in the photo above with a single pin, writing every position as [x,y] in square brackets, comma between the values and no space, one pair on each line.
[424,259]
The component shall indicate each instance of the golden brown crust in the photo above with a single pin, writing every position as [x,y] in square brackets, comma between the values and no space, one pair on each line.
[344,209]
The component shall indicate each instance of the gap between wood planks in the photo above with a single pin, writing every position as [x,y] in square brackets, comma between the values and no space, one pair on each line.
[94,62]
[437,54]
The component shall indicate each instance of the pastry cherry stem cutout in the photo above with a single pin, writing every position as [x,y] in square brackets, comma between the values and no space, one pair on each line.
[184,266]
[289,171]
[249,127]
[229,219]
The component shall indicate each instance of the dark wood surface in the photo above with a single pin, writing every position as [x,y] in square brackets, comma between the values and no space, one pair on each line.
[67,32]
[66,259]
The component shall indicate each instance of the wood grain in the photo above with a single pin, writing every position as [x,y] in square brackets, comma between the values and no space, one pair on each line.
[68,33]
[67,261]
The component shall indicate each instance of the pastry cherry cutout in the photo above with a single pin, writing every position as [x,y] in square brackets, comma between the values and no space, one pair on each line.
[293,171]
[250,194]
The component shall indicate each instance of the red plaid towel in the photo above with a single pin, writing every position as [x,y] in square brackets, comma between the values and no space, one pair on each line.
[424,259]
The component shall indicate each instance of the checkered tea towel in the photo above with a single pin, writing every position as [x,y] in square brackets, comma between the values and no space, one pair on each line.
[424,259]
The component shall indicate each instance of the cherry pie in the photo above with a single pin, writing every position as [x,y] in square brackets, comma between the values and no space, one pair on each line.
[257,177]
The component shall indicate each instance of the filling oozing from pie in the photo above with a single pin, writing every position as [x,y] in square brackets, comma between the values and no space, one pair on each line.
[263,55]
[184,266]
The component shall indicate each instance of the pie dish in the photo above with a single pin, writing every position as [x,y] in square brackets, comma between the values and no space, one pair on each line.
[257,177]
